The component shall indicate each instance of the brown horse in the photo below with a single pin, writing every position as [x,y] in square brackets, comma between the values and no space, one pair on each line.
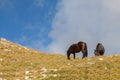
[99,50]
[75,48]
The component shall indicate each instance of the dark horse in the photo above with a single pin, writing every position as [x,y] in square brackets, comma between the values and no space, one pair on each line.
[75,48]
[99,50]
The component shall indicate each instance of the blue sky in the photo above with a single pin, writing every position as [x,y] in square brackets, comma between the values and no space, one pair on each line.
[53,25]
[27,21]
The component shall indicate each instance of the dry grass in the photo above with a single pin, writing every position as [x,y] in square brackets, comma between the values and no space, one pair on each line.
[20,63]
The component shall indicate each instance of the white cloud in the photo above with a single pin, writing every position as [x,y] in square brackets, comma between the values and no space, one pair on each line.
[91,21]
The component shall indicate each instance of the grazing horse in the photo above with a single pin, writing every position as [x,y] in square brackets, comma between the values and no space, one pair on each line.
[99,50]
[75,48]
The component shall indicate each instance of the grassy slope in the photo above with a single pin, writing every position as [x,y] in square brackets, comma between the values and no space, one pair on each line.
[19,63]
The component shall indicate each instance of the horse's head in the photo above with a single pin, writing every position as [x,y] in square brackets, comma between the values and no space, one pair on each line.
[96,52]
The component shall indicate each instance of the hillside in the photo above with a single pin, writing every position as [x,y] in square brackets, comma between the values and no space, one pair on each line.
[20,63]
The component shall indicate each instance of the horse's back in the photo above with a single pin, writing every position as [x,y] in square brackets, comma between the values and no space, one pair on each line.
[74,48]
[100,47]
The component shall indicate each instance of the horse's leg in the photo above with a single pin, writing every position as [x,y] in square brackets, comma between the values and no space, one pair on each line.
[84,54]
[101,53]
[74,55]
